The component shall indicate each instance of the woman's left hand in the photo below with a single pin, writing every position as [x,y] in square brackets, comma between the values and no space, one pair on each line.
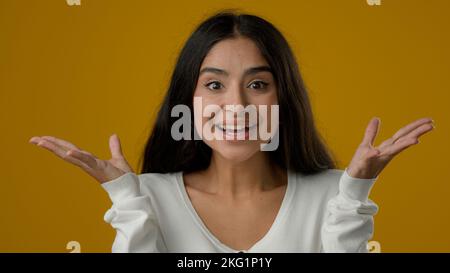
[369,161]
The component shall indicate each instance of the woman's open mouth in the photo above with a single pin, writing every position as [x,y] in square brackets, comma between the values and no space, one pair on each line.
[236,132]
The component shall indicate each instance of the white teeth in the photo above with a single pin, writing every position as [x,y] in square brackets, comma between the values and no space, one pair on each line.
[232,128]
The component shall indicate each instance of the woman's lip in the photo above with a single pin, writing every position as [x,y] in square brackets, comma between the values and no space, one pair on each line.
[232,127]
[236,135]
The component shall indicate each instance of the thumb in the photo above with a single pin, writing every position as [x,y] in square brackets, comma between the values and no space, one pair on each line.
[115,147]
[371,131]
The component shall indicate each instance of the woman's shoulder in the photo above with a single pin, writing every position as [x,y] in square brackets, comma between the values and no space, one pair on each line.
[158,177]
[162,188]
[317,188]
[325,179]
[326,175]
[158,180]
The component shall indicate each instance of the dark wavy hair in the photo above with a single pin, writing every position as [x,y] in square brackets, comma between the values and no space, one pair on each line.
[301,147]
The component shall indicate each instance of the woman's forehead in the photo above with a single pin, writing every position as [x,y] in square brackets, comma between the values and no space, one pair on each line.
[234,54]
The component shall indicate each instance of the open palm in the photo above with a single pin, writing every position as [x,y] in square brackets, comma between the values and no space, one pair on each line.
[368,161]
[101,170]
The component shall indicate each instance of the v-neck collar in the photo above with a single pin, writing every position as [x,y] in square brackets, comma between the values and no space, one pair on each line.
[281,212]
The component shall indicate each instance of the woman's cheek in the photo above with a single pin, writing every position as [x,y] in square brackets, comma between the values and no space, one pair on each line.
[203,120]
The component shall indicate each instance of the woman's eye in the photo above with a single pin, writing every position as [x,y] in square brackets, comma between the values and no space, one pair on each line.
[258,85]
[214,85]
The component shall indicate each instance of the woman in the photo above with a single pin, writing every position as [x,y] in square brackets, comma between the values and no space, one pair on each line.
[229,195]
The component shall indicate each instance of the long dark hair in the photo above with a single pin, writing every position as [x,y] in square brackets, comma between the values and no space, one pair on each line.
[301,147]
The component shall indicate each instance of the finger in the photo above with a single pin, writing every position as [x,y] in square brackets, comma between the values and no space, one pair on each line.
[77,162]
[52,147]
[84,157]
[415,134]
[66,149]
[60,152]
[34,140]
[410,127]
[115,146]
[399,146]
[61,142]
[371,131]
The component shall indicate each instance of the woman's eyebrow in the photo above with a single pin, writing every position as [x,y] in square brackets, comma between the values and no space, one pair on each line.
[248,71]
[257,69]
[214,70]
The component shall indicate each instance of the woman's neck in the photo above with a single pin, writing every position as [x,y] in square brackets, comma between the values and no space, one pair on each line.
[243,179]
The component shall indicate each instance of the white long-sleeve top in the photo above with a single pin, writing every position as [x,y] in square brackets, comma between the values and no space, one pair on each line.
[325,212]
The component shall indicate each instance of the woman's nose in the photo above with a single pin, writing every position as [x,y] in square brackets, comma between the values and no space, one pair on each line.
[236,96]
[235,105]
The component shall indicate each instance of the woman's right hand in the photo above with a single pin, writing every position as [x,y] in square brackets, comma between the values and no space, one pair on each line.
[101,170]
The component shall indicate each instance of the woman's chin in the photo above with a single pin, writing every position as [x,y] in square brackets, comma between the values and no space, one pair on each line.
[237,153]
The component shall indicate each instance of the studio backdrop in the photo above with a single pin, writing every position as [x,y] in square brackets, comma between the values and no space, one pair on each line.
[83,70]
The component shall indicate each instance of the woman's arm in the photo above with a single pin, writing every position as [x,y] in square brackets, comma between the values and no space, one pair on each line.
[131,213]
[132,216]
[349,221]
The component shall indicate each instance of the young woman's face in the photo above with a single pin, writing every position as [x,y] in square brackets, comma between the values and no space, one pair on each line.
[234,73]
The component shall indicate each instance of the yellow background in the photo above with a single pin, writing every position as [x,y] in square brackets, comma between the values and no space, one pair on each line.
[84,72]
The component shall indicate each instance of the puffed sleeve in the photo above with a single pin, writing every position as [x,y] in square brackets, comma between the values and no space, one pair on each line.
[349,222]
[132,216]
